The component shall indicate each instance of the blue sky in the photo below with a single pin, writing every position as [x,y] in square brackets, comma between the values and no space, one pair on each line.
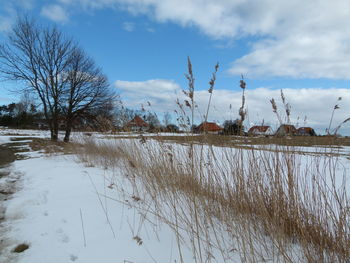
[142,46]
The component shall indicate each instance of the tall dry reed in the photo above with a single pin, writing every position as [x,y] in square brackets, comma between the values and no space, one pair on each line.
[237,205]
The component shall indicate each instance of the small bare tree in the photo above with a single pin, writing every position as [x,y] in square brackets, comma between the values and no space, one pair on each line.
[166,118]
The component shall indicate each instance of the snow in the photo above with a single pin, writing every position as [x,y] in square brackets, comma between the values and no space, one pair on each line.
[69,212]
[56,195]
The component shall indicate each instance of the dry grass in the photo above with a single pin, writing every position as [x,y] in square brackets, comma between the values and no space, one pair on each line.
[229,203]
[236,141]
[50,147]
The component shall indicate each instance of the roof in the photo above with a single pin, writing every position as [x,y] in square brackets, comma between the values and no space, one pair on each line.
[137,121]
[209,126]
[258,129]
[286,129]
[305,129]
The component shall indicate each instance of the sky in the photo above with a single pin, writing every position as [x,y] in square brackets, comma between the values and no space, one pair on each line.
[142,46]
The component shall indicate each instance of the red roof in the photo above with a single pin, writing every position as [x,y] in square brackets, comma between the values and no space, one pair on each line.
[137,121]
[305,129]
[258,129]
[287,129]
[209,126]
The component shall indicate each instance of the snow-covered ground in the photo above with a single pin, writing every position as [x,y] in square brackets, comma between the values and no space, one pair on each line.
[61,210]
[69,212]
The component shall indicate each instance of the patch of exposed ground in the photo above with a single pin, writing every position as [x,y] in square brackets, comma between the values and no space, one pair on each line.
[7,155]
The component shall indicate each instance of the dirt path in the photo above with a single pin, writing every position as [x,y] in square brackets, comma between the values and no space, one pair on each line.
[7,156]
[7,182]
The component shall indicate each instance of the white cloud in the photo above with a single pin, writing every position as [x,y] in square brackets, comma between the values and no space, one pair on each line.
[150,29]
[293,38]
[314,103]
[55,12]
[159,92]
[128,26]
[9,11]
[5,23]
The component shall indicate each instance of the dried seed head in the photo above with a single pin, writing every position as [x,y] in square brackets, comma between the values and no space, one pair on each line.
[212,81]
[189,64]
[187,103]
[274,106]
[282,97]
[242,84]
[288,108]
[138,240]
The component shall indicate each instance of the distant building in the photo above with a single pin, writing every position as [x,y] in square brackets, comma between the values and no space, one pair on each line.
[209,127]
[306,131]
[260,130]
[286,129]
[137,124]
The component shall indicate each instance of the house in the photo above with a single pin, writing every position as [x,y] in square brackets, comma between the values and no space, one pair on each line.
[208,127]
[286,129]
[306,131]
[260,130]
[137,124]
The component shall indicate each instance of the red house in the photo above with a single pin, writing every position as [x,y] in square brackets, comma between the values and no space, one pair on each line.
[209,127]
[306,131]
[137,124]
[260,130]
[286,129]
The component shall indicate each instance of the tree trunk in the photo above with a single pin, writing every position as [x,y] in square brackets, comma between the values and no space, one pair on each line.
[55,132]
[54,129]
[68,131]
[52,132]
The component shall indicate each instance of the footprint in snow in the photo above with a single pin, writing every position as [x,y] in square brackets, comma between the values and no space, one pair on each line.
[62,236]
[73,257]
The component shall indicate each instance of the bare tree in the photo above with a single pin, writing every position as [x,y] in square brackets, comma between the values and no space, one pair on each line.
[86,90]
[26,103]
[64,78]
[166,118]
[38,57]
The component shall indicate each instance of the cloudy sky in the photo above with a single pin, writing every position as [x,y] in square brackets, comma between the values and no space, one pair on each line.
[299,46]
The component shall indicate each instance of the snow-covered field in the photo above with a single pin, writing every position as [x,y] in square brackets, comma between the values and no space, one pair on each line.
[61,210]
[69,212]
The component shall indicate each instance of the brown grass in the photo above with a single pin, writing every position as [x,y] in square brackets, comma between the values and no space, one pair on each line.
[257,205]
[50,147]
